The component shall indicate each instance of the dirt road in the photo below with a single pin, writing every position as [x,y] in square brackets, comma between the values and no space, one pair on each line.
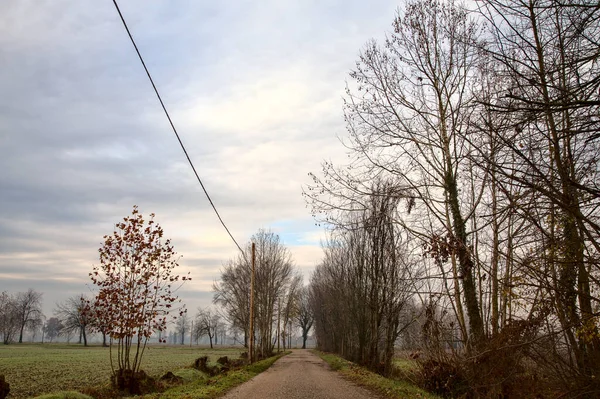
[299,375]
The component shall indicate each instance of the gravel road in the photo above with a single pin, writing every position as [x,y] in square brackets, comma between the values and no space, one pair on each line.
[299,375]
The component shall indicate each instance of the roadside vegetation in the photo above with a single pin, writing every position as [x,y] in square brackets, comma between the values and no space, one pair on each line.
[200,386]
[397,386]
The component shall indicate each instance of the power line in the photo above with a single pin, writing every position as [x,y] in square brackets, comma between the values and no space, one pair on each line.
[173,126]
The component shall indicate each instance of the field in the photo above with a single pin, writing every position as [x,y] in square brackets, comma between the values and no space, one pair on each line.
[34,369]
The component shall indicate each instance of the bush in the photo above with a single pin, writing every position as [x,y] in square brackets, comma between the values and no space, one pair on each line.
[171,378]
[443,378]
[133,382]
[202,364]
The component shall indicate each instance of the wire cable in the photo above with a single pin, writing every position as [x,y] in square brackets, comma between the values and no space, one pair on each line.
[173,127]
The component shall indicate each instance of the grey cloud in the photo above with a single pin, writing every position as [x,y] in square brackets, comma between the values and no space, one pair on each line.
[254,89]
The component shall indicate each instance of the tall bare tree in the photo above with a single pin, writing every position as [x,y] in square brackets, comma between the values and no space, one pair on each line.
[408,114]
[359,290]
[485,125]
[274,271]
[233,294]
[548,54]
[289,308]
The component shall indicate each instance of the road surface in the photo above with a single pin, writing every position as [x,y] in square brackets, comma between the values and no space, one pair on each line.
[299,375]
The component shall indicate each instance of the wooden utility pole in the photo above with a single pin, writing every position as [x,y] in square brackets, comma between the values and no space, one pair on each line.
[251,351]
[191,332]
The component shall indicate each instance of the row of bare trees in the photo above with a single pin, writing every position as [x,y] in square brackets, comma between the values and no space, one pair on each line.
[362,287]
[484,124]
[206,323]
[75,316]
[280,300]
[22,312]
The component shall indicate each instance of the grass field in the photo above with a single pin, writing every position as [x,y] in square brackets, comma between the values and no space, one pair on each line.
[35,369]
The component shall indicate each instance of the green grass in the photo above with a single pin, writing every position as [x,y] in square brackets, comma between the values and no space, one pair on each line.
[214,387]
[405,365]
[190,374]
[35,369]
[389,388]
[64,395]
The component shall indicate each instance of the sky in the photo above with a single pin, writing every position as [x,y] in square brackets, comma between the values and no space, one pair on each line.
[255,89]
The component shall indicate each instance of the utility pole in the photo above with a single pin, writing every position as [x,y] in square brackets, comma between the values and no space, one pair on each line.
[251,354]
[191,332]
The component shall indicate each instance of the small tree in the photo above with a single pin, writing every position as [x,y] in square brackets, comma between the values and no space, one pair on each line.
[136,292]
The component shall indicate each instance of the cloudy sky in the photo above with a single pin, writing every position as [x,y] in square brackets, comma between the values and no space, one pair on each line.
[254,87]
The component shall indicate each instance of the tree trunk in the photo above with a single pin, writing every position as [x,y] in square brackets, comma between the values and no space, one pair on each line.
[464,260]
[495,255]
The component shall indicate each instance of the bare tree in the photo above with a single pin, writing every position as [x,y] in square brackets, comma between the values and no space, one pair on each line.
[288,308]
[52,328]
[76,316]
[408,114]
[9,317]
[28,306]
[274,271]
[487,138]
[359,290]
[206,324]
[547,52]
[233,294]
[182,324]
[304,315]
